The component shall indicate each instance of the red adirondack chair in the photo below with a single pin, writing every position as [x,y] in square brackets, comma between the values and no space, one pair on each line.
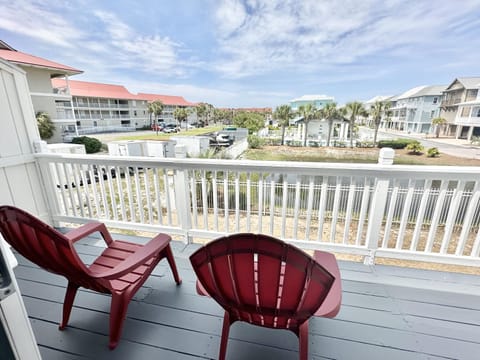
[267,282]
[120,270]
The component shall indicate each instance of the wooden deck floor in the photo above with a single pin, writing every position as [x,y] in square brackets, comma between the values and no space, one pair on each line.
[387,313]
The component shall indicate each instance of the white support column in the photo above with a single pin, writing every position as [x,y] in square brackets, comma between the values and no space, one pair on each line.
[182,194]
[375,218]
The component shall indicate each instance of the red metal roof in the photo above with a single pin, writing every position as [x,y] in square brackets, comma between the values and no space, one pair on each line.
[166,99]
[92,89]
[21,58]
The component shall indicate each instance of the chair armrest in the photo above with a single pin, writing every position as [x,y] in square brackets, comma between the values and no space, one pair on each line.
[331,305]
[201,290]
[88,229]
[139,257]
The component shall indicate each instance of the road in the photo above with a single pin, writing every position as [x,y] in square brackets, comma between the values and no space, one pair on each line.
[450,146]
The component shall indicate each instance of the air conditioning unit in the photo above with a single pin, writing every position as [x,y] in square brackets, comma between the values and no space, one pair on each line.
[17,341]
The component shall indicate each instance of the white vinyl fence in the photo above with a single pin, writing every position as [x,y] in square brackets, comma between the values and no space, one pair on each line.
[421,213]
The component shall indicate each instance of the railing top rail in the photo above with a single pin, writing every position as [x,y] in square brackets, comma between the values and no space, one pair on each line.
[304,168]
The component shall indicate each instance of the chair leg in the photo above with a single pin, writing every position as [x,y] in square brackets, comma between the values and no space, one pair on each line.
[173,266]
[303,340]
[68,303]
[224,340]
[118,311]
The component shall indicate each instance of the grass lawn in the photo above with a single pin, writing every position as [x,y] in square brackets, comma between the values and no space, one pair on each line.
[355,155]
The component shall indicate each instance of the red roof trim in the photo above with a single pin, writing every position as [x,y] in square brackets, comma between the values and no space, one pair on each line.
[18,57]
[166,99]
[92,89]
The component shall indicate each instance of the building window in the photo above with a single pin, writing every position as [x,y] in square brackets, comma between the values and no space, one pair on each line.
[435,100]
[466,111]
[432,114]
[471,94]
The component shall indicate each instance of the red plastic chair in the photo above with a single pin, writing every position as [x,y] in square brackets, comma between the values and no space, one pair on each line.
[120,270]
[267,282]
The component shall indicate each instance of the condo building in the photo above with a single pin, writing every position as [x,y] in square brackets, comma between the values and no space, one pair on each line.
[460,106]
[39,73]
[82,107]
[414,110]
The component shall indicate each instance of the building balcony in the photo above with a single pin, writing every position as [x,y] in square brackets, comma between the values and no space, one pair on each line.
[101,105]
[467,121]
[375,213]
[450,102]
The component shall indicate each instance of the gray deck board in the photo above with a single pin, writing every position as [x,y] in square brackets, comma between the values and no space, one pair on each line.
[377,320]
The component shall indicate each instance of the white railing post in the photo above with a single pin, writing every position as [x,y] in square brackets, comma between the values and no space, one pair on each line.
[386,155]
[375,219]
[40,147]
[182,194]
[377,208]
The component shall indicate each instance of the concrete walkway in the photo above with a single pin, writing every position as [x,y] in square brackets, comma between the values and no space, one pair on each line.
[448,145]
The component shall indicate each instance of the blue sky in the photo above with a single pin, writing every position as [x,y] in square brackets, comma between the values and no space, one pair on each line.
[253,53]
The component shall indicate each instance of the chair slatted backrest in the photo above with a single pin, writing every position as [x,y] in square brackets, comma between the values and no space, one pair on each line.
[42,244]
[262,280]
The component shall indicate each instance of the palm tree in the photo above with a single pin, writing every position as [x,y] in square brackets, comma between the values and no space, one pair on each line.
[156,108]
[45,125]
[330,113]
[180,114]
[201,110]
[308,112]
[283,114]
[438,122]
[378,111]
[354,109]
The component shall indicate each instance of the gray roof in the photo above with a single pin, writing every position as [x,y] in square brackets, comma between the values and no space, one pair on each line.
[378,98]
[418,91]
[5,46]
[467,82]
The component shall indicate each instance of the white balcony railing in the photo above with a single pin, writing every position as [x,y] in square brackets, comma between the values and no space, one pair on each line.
[407,212]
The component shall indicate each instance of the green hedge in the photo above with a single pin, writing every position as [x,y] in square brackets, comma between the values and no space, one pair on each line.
[395,143]
[255,142]
[92,145]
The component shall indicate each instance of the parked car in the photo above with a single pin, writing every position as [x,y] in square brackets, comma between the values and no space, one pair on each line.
[170,128]
[158,127]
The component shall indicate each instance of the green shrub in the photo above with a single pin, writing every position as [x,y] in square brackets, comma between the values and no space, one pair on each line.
[255,142]
[92,145]
[475,140]
[433,152]
[395,143]
[415,147]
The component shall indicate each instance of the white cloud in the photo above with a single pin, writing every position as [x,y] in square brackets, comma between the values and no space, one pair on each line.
[33,19]
[94,38]
[268,35]
[150,53]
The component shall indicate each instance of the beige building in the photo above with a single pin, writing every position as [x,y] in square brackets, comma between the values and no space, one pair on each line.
[96,107]
[39,73]
[459,99]
[81,107]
